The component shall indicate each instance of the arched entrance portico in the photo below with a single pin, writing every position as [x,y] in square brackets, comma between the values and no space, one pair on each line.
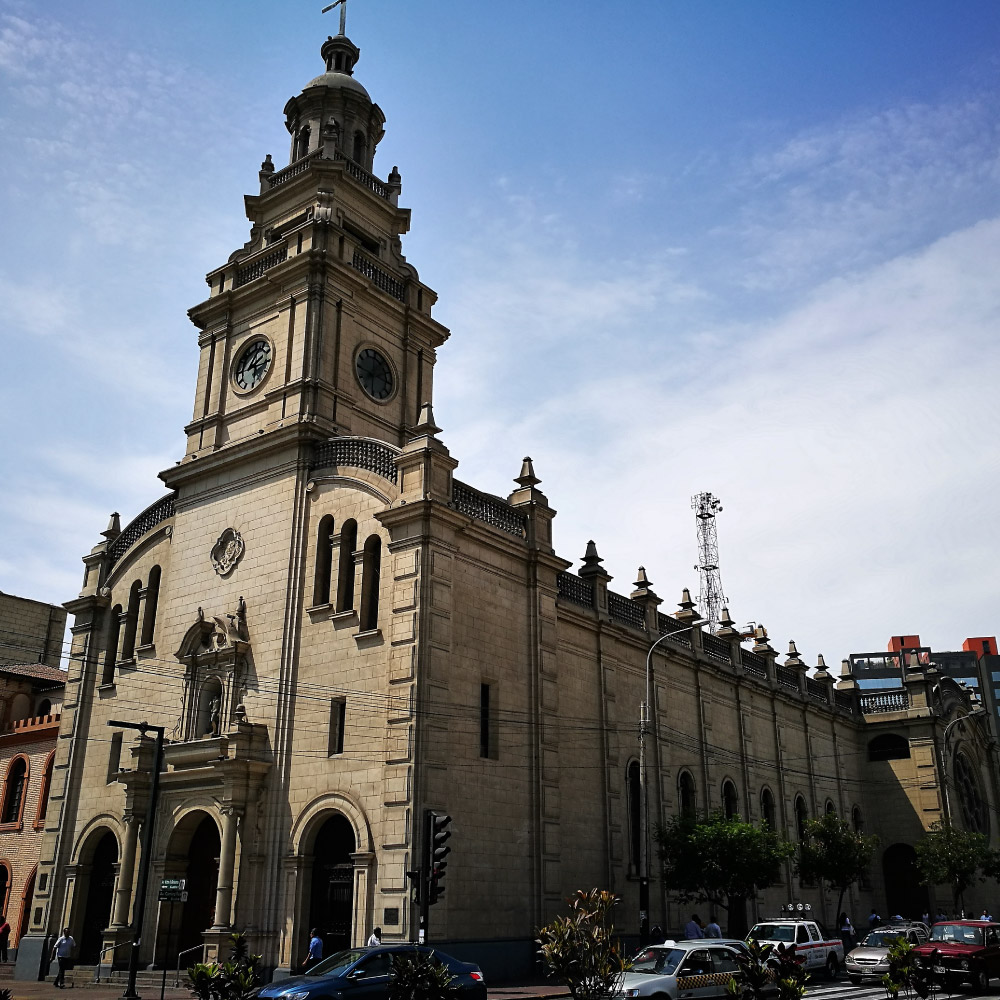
[331,896]
[98,861]
[193,855]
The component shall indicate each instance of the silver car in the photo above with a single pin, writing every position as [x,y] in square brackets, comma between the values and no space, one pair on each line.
[678,970]
[870,959]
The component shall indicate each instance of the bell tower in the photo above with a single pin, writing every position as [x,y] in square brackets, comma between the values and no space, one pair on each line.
[317,326]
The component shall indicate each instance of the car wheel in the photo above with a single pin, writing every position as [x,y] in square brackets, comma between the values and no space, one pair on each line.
[660,996]
[980,980]
[832,967]
[857,980]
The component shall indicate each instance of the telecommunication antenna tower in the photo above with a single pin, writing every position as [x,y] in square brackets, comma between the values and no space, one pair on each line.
[711,599]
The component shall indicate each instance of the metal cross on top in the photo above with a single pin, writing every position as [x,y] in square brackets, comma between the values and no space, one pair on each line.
[342,4]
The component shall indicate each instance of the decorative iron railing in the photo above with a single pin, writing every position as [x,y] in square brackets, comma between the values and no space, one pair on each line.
[754,665]
[362,453]
[666,625]
[878,702]
[717,648]
[146,521]
[625,610]
[844,699]
[257,268]
[575,590]
[488,508]
[787,677]
[379,277]
[816,689]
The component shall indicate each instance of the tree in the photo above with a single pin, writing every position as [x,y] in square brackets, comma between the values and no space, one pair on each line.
[946,856]
[721,861]
[833,853]
[581,949]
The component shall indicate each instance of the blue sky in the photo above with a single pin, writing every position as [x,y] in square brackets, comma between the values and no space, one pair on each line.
[747,248]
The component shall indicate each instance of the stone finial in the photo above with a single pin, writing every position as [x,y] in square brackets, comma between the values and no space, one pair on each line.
[114,528]
[845,670]
[591,560]
[688,610]
[760,641]
[642,582]
[527,478]
[727,626]
[395,177]
[822,673]
[793,655]
[267,167]
[425,422]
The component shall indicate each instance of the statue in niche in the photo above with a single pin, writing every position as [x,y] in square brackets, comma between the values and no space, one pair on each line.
[215,716]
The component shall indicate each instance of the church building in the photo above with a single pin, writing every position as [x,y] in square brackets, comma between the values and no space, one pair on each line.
[338,637]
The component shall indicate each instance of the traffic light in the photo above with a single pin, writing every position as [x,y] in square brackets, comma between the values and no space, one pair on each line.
[437,850]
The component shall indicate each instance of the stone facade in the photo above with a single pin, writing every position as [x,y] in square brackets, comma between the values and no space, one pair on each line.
[30,631]
[336,636]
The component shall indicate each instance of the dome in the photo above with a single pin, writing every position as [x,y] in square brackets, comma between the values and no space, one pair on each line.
[341,80]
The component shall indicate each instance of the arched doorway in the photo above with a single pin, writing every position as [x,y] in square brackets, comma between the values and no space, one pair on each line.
[331,899]
[26,898]
[903,892]
[202,875]
[100,891]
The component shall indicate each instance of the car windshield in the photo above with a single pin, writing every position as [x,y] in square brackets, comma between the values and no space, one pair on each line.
[773,932]
[336,963]
[881,939]
[959,933]
[658,961]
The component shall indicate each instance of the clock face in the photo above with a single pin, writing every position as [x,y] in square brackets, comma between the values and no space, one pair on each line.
[252,364]
[374,374]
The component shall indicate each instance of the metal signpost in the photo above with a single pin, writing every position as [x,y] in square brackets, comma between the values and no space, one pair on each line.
[172,890]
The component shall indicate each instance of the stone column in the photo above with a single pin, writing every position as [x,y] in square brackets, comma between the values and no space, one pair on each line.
[227,865]
[126,871]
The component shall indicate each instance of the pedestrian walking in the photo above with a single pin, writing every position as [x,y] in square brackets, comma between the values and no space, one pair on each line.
[375,939]
[656,935]
[713,930]
[62,951]
[315,952]
[693,927]
[846,932]
[874,919]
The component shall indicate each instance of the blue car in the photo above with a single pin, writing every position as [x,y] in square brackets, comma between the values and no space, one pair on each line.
[363,974]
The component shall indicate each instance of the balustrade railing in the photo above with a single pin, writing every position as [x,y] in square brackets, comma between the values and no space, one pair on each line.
[787,677]
[879,702]
[487,508]
[844,699]
[362,453]
[147,520]
[754,665]
[625,610]
[258,266]
[717,648]
[377,275]
[815,689]
[575,590]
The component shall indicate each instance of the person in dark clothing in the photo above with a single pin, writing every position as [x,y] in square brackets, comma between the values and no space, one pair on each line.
[656,935]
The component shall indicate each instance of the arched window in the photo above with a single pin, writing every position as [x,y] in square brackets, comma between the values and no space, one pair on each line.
[302,142]
[767,809]
[131,621]
[324,561]
[345,569]
[20,707]
[111,650]
[13,791]
[149,612]
[975,812]
[44,708]
[43,791]
[889,746]
[857,821]
[831,810]
[634,815]
[685,793]
[372,568]
[800,817]
[730,800]
[359,148]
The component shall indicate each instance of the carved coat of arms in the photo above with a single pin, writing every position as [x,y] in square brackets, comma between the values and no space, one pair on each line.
[227,551]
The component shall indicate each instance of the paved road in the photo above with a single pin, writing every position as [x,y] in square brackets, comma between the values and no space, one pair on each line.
[873,990]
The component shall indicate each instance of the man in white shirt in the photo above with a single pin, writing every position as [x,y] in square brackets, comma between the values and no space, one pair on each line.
[376,938]
[62,950]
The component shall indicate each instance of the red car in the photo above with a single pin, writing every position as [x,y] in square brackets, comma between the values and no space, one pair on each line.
[966,950]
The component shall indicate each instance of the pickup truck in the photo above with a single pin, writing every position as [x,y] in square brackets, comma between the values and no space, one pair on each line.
[812,943]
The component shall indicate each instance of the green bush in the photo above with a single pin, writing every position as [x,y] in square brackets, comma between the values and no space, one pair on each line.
[420,977]
[237,979]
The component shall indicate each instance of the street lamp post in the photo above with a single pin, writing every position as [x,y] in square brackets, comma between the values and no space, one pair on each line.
[139,909]
[644,786]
